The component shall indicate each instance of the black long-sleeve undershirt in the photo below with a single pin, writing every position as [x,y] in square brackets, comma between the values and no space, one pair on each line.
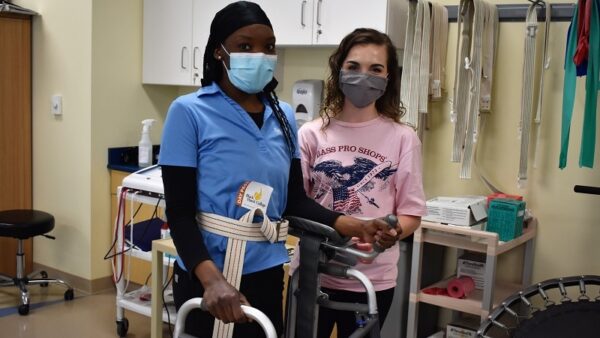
[180,195]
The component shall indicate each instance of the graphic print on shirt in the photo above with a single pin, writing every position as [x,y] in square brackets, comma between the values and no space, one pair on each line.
[349,186]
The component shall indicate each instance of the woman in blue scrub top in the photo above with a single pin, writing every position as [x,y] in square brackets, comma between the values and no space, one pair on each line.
[224,148]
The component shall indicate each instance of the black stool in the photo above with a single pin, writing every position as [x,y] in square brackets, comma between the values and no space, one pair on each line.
[24,224]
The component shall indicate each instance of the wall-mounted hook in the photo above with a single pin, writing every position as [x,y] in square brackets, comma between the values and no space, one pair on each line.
[540,3]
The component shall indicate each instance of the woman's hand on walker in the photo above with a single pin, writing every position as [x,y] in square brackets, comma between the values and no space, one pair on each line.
[367,231]
[386,239]
[220,298]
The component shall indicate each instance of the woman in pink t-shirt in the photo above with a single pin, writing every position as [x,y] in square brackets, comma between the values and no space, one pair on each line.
[359,159]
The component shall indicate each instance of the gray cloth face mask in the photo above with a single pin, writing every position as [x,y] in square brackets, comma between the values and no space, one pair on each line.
[360,88]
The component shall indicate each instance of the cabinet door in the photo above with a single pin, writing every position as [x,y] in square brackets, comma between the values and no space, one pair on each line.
[15,129]
[292,20]
[203,13]
[334,19]
[167,42]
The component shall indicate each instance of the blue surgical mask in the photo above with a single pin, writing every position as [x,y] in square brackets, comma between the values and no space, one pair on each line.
[250,72]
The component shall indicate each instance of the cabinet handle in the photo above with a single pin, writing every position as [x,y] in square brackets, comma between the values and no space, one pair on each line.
[194,56]
[319,12]
[183,49]
[302,7]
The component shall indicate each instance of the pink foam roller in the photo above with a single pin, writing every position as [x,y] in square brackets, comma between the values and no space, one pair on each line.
[460,287]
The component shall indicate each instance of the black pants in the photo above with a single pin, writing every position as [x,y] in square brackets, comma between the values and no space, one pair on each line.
[346,320]
[263,289]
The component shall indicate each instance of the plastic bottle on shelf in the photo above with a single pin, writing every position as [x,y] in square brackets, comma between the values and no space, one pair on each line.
[165,232]
[145,145]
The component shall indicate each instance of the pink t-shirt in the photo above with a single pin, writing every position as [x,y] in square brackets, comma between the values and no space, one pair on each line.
[366,170]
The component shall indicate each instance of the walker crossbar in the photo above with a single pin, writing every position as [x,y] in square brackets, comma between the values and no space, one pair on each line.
[196,303]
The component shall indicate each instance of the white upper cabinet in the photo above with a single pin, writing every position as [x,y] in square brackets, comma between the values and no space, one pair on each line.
[292,20]
[336,18]
[167,42]
[176,31]
[326,22]
[204,11]
[175,35]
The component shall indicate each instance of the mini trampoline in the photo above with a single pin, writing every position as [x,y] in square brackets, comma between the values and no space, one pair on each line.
[561,307]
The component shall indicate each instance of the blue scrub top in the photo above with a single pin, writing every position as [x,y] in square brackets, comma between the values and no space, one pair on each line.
[209,131]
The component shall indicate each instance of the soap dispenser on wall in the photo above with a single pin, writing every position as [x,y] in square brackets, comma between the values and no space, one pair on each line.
[306,100]
[145,145]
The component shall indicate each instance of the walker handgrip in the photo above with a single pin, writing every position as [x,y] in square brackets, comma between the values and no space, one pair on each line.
[334,270]
[366,255]
[392,222]
[195,303]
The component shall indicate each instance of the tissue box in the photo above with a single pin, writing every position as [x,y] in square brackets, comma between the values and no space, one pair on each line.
[472,265]
[496,195]
[454,331]
[463,328]
[465,210]
[505,217]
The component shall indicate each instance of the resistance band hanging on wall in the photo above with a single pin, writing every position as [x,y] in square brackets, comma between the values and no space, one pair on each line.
[439,45]
[425,52]
[415,63]
[590,26]
[478,26]
[546,65]
[527,97]
[423,79]
[530,83]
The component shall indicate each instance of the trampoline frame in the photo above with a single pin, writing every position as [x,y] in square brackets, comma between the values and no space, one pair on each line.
[534,290]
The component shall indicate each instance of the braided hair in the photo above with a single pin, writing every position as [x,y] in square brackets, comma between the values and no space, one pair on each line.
[269,93]
[229,19]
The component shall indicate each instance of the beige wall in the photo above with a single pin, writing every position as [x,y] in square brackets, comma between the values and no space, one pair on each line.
[90,53]
[61,146]
[567,221]
[93,58]
[119,103]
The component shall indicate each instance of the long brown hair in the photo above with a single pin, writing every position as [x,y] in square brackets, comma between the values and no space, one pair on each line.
[389,103]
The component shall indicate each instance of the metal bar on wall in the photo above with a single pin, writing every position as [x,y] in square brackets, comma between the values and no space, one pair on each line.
[517,12]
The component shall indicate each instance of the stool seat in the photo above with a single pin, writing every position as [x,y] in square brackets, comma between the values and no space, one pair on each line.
[24,224]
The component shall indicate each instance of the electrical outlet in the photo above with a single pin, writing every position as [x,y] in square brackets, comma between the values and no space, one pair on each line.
[56,107]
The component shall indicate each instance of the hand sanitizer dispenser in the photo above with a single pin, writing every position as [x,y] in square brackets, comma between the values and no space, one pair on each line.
[145,145]
[306,100]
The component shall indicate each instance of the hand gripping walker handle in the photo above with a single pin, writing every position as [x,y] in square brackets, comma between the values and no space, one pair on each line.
[196,303]
[392,221]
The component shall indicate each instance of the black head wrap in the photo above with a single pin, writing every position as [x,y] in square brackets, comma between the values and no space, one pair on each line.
[231,18]
[228,20]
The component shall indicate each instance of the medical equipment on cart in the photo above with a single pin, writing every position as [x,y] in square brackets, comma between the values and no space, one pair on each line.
[141,187]
[147,181]
[196,303]
[323,250]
